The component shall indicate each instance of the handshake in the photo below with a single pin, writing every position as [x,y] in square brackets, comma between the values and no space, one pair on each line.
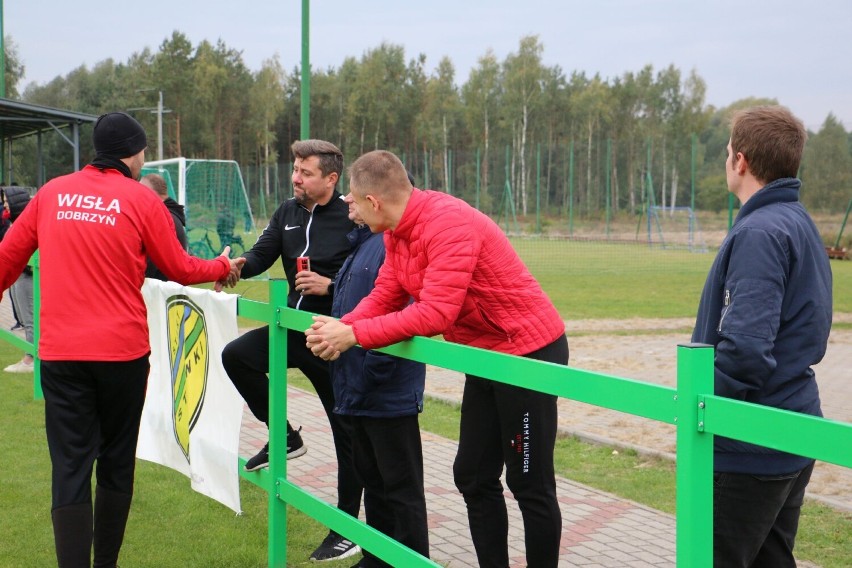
[234,275]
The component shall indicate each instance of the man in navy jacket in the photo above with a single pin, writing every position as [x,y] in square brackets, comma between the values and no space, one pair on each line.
[381,397]
[766,308]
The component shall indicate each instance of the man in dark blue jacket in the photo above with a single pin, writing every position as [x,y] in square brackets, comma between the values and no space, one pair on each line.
[381,396]
[766,308]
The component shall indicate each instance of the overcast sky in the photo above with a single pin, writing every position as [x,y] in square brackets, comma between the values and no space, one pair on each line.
[796,51]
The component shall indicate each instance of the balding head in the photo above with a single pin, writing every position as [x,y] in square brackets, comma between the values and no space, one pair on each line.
[157,183]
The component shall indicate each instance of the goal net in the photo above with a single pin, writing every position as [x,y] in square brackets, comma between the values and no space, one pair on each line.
[674,227]
[218,212]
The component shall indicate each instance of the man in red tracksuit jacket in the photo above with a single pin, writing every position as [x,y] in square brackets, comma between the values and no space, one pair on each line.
[468,284]
[94,229]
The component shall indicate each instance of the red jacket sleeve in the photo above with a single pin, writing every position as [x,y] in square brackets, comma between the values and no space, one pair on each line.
[451,254]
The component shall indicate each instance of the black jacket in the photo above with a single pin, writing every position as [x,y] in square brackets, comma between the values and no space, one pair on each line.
[17,197]
[293,231]
[179,219]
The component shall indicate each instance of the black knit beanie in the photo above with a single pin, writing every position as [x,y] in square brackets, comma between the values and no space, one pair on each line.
[118,135]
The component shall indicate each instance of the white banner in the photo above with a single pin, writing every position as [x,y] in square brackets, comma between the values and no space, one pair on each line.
[191,420]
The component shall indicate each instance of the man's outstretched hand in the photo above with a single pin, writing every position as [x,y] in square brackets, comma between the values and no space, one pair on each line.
[234,275]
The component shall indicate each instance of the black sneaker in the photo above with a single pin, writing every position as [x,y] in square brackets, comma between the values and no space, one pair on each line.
[295,446]
[335,547]
[259,460]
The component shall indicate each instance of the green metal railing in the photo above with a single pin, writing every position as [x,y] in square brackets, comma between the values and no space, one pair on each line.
[697,415]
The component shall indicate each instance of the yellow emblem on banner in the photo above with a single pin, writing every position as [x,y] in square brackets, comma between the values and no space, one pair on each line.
[189,361]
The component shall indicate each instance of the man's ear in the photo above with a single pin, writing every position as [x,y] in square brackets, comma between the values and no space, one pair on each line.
[374,203]
[332,178]
[741,164]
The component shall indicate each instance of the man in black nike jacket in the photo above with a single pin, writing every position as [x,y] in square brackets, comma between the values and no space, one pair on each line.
[313,224]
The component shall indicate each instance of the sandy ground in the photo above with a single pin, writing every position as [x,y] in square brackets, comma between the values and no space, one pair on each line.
[607,346]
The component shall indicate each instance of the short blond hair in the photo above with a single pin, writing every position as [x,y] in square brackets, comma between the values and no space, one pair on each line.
[380,173]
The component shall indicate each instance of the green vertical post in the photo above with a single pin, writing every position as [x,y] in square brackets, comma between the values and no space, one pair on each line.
[37,392]
[2,85]
[306,70]
[538,188]
[730,210]
[694,500]
[608,184]
[571,188]
[692,173]
[450,172]
[2,54]
[843,225]
[478,165]
[277,425]
[426,169]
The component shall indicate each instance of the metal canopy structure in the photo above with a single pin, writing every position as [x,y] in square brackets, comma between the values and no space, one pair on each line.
[19,120]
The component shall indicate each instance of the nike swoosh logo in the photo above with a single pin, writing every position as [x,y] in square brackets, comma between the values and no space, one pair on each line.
[289,228]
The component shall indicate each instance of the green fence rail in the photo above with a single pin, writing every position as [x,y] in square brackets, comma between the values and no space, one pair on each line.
[698,416]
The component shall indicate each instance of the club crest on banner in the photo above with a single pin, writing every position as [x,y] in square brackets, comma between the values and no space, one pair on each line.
[189,362]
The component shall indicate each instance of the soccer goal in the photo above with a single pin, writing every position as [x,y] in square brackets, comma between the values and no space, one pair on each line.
[218,212]
[674,227]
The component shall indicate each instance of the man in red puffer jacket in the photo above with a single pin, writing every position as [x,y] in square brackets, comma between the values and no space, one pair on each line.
[469,285]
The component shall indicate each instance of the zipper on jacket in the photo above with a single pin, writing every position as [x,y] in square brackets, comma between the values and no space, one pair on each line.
[727,304]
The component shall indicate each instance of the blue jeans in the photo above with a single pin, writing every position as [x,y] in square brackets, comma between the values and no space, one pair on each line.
[755,518]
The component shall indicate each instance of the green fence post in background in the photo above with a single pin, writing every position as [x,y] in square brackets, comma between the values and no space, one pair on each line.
[278,425]
[571,188]
[538,189]
[608,184]
[478,165]
[450,172]
[694,478]
[731,202]
[39,395]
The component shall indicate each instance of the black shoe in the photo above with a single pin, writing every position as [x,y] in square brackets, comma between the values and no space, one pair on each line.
[16,326]
[259,460]
[295,446]
[335,547]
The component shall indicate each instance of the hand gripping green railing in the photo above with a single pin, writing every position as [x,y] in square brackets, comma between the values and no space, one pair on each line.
[697,415]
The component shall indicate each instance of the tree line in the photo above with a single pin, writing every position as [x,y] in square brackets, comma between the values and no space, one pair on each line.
[516,128]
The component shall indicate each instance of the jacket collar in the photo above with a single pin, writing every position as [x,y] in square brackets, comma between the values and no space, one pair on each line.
[784,190]
[413,208]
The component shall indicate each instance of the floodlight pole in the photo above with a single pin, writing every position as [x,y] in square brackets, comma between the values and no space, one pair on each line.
[306,71]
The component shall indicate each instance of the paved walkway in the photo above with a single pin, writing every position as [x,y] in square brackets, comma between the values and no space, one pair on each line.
[599,529]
